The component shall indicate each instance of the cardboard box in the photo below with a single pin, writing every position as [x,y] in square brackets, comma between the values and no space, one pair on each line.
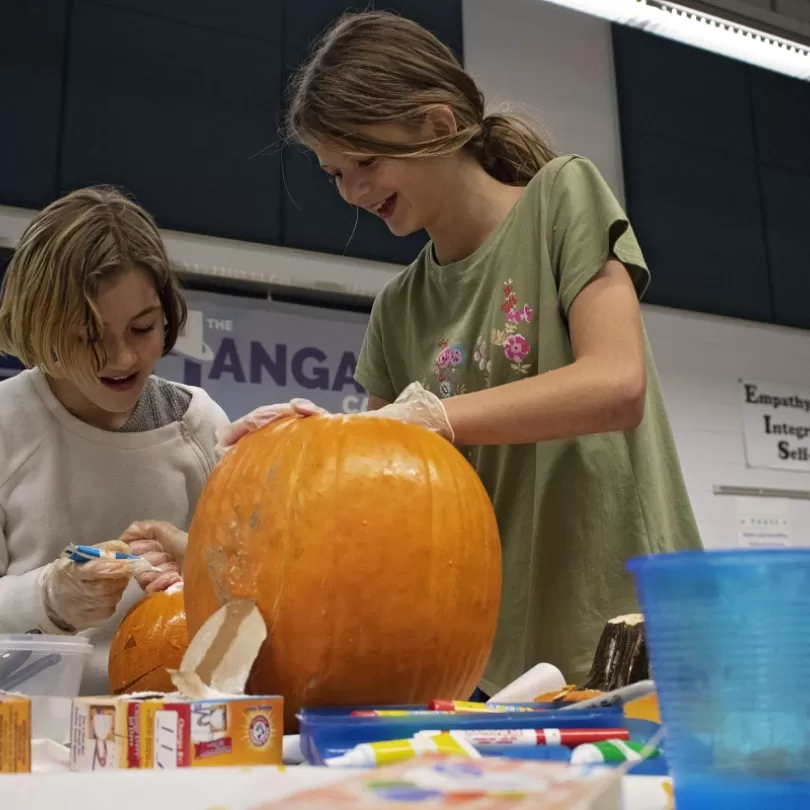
[209,721]
[15,733]
[160,731]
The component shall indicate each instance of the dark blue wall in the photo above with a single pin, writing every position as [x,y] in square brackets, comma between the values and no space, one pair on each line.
[717,173]
[178,101]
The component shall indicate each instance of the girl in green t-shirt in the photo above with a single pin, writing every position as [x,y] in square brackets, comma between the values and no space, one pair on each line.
[516,333]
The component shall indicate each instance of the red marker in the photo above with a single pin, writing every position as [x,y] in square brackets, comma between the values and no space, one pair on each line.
[569,737]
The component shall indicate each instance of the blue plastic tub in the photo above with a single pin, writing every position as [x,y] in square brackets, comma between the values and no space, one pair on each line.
[729,642]
[330,732]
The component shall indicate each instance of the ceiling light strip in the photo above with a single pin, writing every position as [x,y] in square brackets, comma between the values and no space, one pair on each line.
[702,30]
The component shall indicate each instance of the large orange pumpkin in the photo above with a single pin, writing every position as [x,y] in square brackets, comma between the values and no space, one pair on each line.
[151,639]
[372,551]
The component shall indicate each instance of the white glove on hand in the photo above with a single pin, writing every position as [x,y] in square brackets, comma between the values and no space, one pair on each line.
[258,418]
[163,546]
[78,596]
[417,406]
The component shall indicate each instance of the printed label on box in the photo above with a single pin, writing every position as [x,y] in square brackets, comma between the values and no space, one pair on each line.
[152,732]
[166,739]
[15,734]
[98,735]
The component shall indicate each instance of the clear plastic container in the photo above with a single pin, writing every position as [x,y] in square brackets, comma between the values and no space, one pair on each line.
[729,641]
[49,669]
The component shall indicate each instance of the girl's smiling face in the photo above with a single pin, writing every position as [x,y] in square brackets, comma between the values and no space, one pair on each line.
[132,342]
[133,336]
[406,193]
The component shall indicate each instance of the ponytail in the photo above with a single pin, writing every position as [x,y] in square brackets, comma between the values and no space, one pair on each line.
[510,149]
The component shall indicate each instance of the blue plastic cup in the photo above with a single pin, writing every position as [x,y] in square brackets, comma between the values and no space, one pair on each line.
[728,634]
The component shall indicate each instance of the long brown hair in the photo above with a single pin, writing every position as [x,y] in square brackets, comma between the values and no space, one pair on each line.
[48,313]
[377,68]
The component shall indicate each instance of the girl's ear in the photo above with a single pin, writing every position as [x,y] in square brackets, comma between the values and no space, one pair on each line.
[440,122]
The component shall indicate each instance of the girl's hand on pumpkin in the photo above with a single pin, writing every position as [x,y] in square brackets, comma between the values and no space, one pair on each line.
[161,545]
[154,581]
[258,418]
[417,406]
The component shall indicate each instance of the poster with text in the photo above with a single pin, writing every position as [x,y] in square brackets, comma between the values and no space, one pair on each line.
[247,352]
[764,522]
[776,425]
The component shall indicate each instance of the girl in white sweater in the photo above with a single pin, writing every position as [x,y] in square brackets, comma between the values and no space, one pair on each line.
[90,440]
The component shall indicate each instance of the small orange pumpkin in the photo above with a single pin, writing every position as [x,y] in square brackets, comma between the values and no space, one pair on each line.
[371,549]
[151,638]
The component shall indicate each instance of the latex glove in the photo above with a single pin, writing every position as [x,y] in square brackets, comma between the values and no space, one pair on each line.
[417,406]
[162,545]
[258,418]
[78,596]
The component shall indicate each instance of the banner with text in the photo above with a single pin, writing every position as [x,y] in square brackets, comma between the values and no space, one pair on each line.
[247,353]
[776,425]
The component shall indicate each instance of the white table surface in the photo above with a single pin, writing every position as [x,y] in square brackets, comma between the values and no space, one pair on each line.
[52,787]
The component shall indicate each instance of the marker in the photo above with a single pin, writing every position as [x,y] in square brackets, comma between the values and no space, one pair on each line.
[618,697]
[569,737]
[467,706]
[612,751]
[368,755]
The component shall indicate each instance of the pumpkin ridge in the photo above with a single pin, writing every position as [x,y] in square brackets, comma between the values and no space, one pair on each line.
[221,477]
[291,485]
[220,564]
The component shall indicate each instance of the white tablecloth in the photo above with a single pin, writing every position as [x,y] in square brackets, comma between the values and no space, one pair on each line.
[52,787]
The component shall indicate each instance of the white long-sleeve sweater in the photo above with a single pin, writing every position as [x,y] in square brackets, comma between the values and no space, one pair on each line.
[63,481]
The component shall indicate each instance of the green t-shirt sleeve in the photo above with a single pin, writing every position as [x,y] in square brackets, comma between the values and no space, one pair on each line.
[585,226]
[372,370]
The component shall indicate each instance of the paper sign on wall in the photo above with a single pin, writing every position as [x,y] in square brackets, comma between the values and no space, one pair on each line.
[776,425]
[763,522]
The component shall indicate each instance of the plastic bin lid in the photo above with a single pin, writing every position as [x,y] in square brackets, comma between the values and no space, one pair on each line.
[64,645]
[720,558]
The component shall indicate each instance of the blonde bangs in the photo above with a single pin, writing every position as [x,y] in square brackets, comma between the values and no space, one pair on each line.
[46,312]
[48,315]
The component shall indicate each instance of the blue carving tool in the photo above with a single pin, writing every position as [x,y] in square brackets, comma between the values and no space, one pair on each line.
[83,554]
